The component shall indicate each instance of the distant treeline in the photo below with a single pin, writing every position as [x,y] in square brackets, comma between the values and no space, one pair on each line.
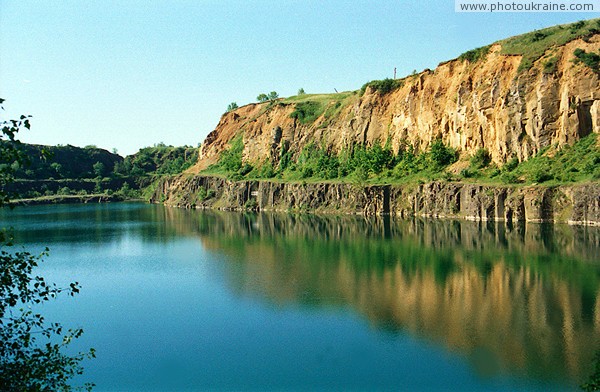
[77,170]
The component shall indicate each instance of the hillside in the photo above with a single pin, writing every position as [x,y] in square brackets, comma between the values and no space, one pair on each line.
[69,170]
[511,100]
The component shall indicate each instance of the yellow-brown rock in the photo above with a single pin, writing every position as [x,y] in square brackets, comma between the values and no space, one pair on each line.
[486,104]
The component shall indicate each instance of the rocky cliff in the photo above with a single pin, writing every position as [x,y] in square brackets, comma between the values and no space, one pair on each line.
[575,204]
[490,103]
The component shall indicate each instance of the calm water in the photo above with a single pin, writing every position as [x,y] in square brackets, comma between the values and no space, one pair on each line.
[187,300]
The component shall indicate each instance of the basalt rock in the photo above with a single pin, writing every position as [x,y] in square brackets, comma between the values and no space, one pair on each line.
[574,204]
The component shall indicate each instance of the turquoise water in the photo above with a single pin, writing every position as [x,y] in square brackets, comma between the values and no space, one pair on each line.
[188,300]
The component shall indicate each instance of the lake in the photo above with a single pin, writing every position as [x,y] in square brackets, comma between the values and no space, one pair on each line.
[177,300]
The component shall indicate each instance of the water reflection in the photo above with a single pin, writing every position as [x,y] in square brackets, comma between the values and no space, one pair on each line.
[518,299]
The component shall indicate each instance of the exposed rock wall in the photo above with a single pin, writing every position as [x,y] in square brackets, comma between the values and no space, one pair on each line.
[577,204]
[488,104]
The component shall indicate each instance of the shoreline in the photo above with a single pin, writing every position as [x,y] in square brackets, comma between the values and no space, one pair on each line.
[574,204]
[69,199]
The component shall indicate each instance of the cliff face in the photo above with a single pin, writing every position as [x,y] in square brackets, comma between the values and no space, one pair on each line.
[486,104]
[576,204]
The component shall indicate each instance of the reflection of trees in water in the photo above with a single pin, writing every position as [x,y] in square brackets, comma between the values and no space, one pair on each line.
[519,298]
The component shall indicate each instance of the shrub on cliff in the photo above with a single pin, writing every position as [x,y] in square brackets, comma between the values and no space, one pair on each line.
[307,112]
[441,155]
[591,60]
[480,159]
[231,158]
[232,106]
[382,87]
[474,55]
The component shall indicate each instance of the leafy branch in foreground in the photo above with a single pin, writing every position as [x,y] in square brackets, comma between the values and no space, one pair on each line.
[593,382]
[32,354]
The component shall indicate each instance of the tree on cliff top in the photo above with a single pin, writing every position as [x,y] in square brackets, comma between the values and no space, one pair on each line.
[32,354]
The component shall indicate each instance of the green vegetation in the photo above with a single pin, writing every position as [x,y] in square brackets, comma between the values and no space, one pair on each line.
[301,91]
[382,87]
[309,107]
[232,106]
[550,65]
[69,170]
[378,164]
[481,159]
[592,60]
[553,166]
[151,162]
[58,162]
[307,112]
[272,96]
[535,44]
[475,55]
[593,383]
[358,163]
[33,352]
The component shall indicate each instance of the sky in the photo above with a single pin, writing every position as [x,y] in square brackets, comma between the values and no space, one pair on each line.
[133,73]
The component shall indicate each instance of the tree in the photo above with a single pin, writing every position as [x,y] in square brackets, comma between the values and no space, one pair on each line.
[99,169]
[301,92]
[272,96]
[58,169]
[232,106]
[441,155]
[32,354]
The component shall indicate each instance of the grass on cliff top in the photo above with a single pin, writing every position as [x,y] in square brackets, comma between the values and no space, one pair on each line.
[378,165]
[534,45]
[309,107]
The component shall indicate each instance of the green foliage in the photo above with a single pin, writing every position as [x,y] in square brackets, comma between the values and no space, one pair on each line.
[562,165]
[232,106]
[481,159]
[535,44]
[152,162]
[271,97]
[442,155]
[593,382]
[99,169]
[307,112]
[128,193]
[475,55]
[231,159]
[550,65]
[44,162]
[382,87]
[32,353]
[591,60]
[301,92]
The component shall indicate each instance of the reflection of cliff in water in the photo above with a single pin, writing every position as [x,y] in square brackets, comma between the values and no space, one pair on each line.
[522,299]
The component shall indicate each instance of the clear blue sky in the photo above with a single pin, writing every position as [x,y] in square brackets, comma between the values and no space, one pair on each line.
[128,74]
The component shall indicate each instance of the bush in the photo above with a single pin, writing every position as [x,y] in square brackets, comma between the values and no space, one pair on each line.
[466,173]
[511,164]
[592,60]
[232,106]
[441,155]
[382,87]
[550,65]
[509,178]
[481,159]
[541,174]
[475,55]
[231,159]
[307,112]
